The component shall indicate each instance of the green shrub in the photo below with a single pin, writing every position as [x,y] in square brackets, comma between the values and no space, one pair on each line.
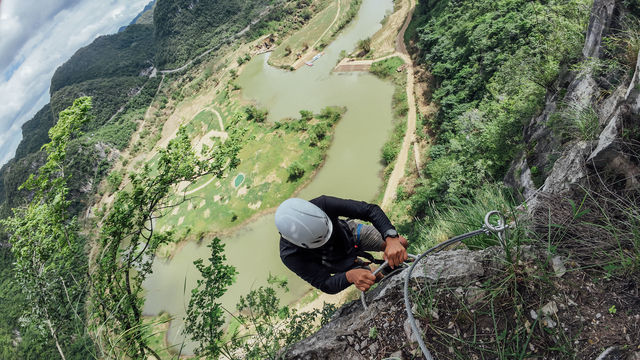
[386,68]
[255,114]
[114,179]
[389,152]
[295,171]
[488,84]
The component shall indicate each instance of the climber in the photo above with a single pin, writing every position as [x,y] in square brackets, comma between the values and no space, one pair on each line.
[323,249]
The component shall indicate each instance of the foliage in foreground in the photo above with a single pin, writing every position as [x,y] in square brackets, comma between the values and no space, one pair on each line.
[205,316]
[262,327]
[128,241]
[271,328]
[50,264]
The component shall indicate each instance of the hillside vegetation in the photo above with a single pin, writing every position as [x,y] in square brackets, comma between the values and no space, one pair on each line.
[492,63]
[184,29]
[123,54]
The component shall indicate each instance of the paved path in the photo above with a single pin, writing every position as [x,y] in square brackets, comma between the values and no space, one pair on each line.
[349,65]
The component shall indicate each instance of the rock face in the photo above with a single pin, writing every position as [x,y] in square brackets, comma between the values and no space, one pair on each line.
[565,165]
[349,334]
[601,16]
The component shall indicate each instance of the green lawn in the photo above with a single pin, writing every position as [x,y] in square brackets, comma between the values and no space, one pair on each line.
[208,118]
[267,152]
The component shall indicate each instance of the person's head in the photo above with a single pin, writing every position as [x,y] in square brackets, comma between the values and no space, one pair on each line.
[303,224]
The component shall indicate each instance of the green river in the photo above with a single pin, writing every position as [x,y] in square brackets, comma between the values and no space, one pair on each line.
[352,168]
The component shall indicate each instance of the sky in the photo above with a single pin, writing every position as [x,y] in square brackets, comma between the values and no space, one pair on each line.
[37,36]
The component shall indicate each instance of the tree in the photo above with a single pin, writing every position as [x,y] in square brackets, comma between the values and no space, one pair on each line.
[306,115]
[204,314]
[128,240]
[269,329]
[49,256]
[365,45]
[255,114]
[295,171]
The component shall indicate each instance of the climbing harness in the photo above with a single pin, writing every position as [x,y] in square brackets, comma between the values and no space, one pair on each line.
[494,223]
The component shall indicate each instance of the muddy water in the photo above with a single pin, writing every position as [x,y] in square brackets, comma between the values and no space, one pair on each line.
[352,168]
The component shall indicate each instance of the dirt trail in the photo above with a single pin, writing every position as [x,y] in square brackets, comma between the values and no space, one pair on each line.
[401,160]
[329,27]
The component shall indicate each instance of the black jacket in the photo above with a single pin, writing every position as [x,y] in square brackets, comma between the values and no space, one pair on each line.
[325,267]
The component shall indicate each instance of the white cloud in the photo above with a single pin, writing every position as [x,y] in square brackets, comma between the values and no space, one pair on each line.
[35,38]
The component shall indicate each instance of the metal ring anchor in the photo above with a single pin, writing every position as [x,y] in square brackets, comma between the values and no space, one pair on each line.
[499,229]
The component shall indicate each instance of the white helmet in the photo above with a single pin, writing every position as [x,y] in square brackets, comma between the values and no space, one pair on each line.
[303,224]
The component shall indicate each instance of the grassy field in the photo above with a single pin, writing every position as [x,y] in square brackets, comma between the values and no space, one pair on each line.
[261,180]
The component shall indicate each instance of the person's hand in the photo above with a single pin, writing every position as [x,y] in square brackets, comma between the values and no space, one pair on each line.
[361,278]
[395,252]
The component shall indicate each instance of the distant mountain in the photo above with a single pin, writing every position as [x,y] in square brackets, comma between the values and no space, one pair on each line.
[185,28]
[144,17]
[112,71]
[123,54]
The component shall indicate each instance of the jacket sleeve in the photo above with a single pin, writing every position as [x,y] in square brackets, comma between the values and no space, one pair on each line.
[353,209]
[316,274]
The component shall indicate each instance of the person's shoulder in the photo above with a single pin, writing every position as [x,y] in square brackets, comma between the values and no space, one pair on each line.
[323,199]
[319,201]
[287,248]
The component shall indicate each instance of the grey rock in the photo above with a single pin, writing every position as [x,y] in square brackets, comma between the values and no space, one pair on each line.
[633,92]
[569,170]
[373,349]
[558,266]
[609,105]
[582,91]
[613,112]
[460,268]
[546,321]
[601,16]
[551,308]
[519,177]
[438,268]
